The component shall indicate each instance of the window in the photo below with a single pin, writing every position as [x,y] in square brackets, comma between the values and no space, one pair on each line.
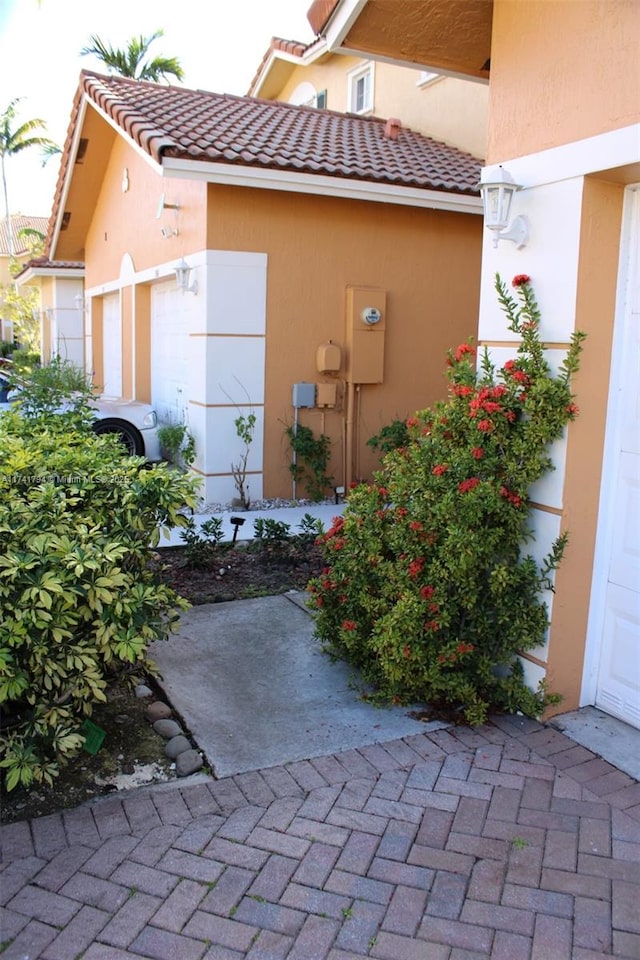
[361,89]
[305,95]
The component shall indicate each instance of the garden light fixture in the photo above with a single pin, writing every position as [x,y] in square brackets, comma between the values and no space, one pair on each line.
[497,188]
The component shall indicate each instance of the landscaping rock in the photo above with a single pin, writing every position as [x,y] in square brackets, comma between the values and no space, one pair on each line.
[167,728]
[142,691]
[176,746]
[158,711]
[188,762]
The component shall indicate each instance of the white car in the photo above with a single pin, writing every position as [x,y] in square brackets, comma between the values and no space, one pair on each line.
[134,422]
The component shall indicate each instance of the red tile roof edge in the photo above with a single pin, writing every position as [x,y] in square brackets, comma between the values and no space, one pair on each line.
[278,44]
[319,14]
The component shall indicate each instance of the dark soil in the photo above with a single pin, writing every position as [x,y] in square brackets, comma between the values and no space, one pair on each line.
[132,753]
[256,569]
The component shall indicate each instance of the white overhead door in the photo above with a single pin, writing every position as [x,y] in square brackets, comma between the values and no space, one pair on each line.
[618,689]
[112,346]
[169,343]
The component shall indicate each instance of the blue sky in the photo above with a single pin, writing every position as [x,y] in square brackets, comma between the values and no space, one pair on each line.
[218,42]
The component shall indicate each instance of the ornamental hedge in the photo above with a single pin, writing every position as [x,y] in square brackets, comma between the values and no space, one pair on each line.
[428,588]
[78,604]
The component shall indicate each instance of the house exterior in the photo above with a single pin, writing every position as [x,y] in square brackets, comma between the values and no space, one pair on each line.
[449,109]
[564,120]
[21,253]
[287,225]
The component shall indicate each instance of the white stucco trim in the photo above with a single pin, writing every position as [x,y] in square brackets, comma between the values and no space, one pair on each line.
[291,182]
[606,151]
[604,533]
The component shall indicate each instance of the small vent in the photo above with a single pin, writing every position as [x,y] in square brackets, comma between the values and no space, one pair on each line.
[66,217]
[82,149]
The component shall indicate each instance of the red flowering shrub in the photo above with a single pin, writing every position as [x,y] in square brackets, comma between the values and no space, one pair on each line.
[429,590]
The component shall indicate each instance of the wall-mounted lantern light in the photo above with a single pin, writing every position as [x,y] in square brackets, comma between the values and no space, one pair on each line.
[184,280]
[497,188]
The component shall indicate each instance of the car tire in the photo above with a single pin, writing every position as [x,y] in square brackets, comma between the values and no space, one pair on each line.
[128,435]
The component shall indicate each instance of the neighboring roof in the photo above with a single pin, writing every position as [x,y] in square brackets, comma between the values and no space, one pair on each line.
[42,266]
[320,12]
[197,126]
[280,49]
[20,221]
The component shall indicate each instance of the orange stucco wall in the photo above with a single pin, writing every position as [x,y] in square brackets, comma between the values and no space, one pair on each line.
[428,264]
[595,310]
[125,222]
[561,71]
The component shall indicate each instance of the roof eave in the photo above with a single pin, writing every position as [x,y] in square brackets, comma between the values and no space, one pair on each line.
[289,181]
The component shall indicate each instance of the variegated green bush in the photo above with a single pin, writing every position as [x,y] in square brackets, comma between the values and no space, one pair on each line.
[78,603]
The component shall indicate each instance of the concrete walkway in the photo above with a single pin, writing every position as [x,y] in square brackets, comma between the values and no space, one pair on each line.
[508,842]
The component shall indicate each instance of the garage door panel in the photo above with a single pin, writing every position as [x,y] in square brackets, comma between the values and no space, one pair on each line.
[169,355]
[111,347]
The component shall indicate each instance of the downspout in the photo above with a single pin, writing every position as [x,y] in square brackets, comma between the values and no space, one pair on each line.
[348,459]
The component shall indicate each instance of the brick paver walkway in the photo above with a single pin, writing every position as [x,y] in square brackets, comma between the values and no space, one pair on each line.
[508,841]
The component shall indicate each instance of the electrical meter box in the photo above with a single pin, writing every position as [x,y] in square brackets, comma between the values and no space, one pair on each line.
[365,332]
[303,395]
[328,358]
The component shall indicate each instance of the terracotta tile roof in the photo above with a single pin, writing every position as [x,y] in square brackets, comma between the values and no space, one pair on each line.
[20,222]
[55,266]
[221,128]
[199,126]
[319,14]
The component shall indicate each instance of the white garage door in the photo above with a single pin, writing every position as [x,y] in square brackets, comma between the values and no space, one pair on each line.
[112,346]
[618,689]
[169,342]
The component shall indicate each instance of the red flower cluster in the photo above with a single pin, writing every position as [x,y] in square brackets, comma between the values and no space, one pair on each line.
[412,422]
[520,279]
[486,400]
[573,410]
[477,453]
[464,350]
[383,492]
[469,484]
[427,592]
[415,567]
[513,498]
[432,626]
[460,390]
[454,655]
[349,625]
[415,525]
[439,469]
[485,426]
[406,652]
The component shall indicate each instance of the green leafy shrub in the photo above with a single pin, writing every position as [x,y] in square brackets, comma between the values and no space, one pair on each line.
[391,436]
[78,603]
[310,459]
[201,545]
[245,426]
[177,443]
[427,589]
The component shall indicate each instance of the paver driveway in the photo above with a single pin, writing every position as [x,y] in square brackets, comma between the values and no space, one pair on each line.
[508,841]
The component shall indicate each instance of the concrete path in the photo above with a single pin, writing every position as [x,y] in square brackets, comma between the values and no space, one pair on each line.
[508,842]
[255,689]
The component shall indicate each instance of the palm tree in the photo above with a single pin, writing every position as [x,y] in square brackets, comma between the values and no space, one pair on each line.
[131,62]
[13,140]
